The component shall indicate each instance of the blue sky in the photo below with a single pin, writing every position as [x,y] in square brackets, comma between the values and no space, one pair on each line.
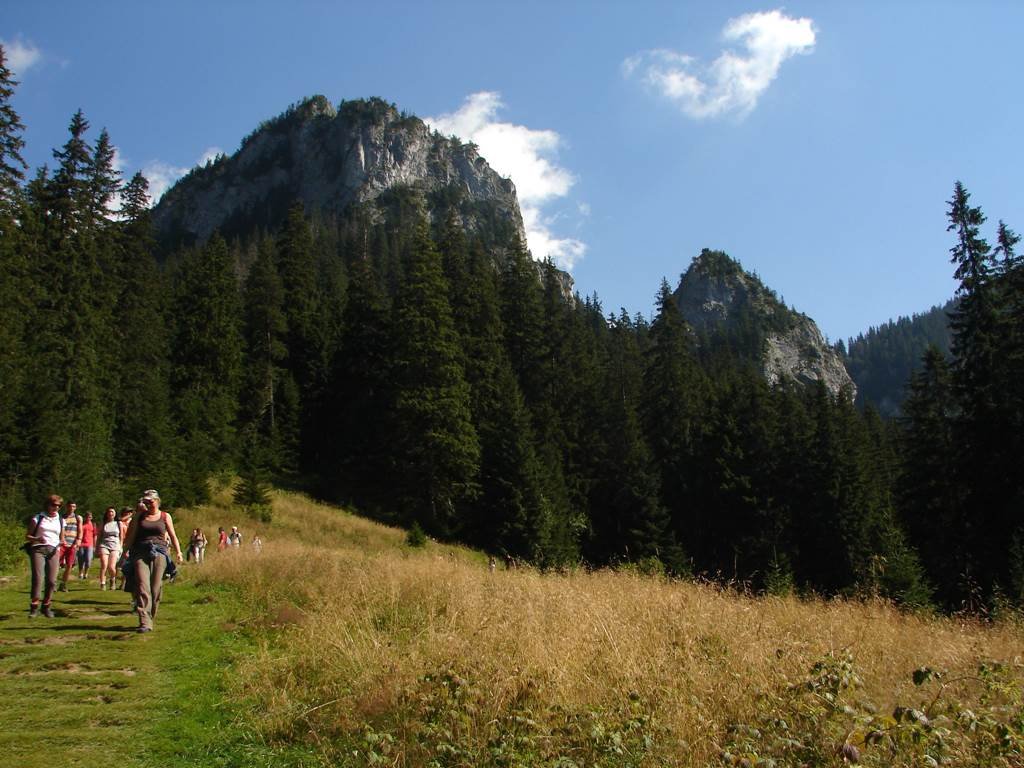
[815,142]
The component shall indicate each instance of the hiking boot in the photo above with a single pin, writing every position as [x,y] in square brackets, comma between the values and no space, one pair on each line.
[33,611]
[48,611]
[140,630]
[62,587]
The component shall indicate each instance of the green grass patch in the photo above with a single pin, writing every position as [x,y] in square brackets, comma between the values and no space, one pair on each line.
[85,689]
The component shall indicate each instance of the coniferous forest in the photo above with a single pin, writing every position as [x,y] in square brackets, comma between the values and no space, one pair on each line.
[424,374]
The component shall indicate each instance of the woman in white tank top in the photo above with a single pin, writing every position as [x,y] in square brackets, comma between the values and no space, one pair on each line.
[110,548]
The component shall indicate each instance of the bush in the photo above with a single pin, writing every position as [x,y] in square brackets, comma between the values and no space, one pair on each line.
[12,536]
[416,537]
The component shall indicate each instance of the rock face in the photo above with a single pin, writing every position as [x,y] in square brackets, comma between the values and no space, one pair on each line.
[718,298]
[329,160]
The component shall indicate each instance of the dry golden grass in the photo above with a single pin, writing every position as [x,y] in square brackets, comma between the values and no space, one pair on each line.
[361,627]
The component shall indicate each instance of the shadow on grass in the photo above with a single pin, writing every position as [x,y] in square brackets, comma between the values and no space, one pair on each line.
[90,628]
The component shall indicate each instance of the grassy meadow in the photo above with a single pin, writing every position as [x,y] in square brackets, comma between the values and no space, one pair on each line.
[338,644]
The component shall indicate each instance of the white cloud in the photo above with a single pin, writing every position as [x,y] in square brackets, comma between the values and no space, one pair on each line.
[161,176]
[211,154]
[735,80]
[524,155]
[20,56]
[119,161]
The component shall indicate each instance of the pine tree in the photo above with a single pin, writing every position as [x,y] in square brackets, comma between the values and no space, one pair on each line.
[438,458]
[265,412]
[69,187]
[67,417]
[522,317]
[979,428]
[627,518]
[207,360]
[511,515]
[102,180]
[15,305]
[357,465]
[12,165]
[671,413]
[143,434]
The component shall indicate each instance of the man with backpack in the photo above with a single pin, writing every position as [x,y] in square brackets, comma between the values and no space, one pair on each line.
[43,536]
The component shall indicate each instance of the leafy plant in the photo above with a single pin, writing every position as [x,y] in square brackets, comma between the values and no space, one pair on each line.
[820,721]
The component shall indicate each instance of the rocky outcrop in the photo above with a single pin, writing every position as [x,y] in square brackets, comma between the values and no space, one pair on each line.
[720,300]
[329,160]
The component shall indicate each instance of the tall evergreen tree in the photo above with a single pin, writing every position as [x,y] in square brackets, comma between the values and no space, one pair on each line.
[68,419]
[357,466]
[15,305]
[207,361]
[512,514]
[438,457]
[269,413]
[979,428]
[628,519]
[143,433]
[671,411]
[12,164]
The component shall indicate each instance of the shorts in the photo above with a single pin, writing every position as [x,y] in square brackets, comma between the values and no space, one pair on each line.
[66,555]
[110,551]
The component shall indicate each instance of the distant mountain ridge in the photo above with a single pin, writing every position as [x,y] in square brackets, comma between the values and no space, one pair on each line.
[331,159]
[882,360]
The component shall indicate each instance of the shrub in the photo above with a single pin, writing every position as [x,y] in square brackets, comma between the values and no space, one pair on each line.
[416,537]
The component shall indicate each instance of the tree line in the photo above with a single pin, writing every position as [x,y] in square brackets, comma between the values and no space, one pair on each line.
[422,373]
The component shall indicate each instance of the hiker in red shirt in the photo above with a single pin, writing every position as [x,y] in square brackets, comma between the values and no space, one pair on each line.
[87,547]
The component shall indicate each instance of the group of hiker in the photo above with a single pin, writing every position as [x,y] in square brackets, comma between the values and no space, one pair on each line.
[134,548]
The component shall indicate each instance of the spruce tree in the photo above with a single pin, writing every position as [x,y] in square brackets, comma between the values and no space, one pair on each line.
[143,433]
[438,454]
[512,514]
[68,420]
[207,361]
[628,521]
[356,467]
[979,427]
[12,165]
[265,413]
[672,412]
[14,286]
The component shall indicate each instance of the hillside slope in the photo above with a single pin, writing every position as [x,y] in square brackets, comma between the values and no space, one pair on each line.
[338,644]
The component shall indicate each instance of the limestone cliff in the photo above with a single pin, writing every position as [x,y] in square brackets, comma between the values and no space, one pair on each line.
[720,300]
[329,160]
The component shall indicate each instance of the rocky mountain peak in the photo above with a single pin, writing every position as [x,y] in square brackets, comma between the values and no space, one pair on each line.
[717,297]
[330,159]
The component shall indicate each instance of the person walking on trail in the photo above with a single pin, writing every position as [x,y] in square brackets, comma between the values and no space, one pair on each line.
[110,536]
[235,538]
[147,548]
[222,540]
[86,549]
[43,538]
[70,540]
[196,545]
